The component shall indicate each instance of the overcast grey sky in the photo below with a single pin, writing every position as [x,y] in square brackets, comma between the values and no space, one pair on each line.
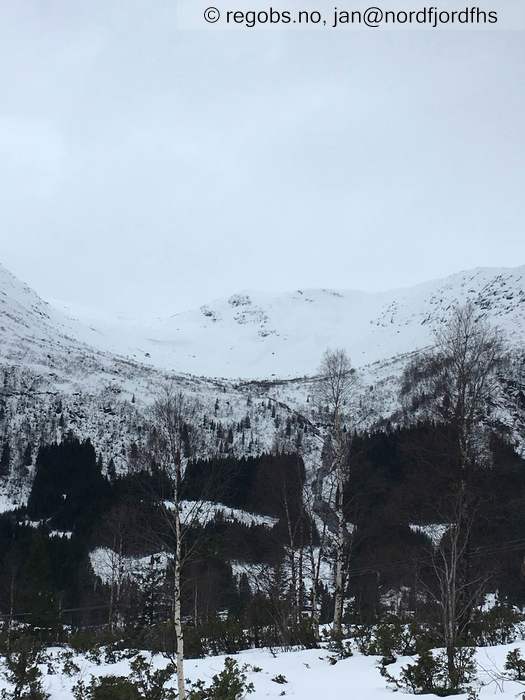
[145,165]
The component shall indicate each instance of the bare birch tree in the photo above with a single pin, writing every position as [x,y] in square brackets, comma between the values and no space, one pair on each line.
[458,589]
[173,416]
[117,537]
[334,392]
[454,384]
[315,553]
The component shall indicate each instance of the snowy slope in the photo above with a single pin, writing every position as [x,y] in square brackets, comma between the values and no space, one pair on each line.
[54,378]
[309,674]
[29,325]
[263,335]
[97,376]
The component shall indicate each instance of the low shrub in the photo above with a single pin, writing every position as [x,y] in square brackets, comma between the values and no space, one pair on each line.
[515,665]
[502,624]
[393,637]
[106,688]
[22,672]
[144,683]
[230,684]
[280,679]
[430,673]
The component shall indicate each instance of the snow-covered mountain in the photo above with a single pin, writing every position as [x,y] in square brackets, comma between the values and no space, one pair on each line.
[97,376]
[55,378]
[262,335]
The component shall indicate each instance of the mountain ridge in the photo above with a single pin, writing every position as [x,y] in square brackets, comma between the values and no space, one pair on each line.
[256,335]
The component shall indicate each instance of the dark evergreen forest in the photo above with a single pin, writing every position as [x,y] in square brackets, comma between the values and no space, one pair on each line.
[401,479]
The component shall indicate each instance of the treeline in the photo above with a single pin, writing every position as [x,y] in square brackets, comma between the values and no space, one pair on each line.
[75,509]
[264,484]
[400,479]
[402,486]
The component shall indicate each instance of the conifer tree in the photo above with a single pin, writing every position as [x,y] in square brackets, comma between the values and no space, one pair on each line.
[28,455]
[5,460]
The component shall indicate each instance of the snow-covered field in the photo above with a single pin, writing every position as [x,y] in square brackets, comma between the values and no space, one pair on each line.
[309,675]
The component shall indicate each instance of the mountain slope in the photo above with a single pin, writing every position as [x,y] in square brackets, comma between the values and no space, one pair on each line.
[97,378]
[53,380]
[262,335]
[283,335]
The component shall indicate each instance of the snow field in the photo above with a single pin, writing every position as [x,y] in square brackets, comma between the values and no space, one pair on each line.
[309,674]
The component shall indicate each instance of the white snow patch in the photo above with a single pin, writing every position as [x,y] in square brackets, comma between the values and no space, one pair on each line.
[309,674]
[434,531]
[204,512]
[111,566]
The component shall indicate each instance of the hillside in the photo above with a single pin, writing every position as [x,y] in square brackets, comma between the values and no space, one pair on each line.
[283,335]
[255,335]
[63,373]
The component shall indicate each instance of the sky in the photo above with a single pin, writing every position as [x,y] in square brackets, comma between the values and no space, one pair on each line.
[150,162]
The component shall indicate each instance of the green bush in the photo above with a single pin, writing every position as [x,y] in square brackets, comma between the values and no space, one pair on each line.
[426,675]
[515,665]
[230,684]
[430,673]
[69,667]
[144,683]
[106,688]
[502,624]
[393,637]
[22,671]
[280,679]
[83,641]
[151,684]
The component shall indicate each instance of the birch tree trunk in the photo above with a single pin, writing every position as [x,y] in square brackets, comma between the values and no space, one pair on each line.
[174,419]
[339,557]
[336,385]
[177,612]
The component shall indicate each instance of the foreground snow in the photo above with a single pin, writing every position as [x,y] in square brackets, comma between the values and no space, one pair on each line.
[309,673]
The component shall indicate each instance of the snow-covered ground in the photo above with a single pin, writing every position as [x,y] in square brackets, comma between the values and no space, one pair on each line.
[109,566]
[204,512]
[434,531]
[309,674]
